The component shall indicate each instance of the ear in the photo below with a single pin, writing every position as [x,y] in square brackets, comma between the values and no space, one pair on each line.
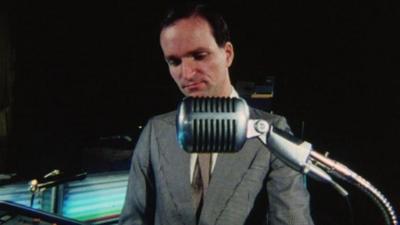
[229,53]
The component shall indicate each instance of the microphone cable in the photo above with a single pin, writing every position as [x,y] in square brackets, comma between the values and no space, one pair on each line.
[350,208]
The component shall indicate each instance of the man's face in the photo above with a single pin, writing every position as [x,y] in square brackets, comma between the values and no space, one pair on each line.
[196,63]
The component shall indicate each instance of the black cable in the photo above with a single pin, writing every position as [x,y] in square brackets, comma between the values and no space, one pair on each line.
[32,199]
[351,212]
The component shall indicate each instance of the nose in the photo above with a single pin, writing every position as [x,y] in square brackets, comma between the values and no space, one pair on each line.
[188,69]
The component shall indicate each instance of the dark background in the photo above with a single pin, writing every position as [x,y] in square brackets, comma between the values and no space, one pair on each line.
[85,71]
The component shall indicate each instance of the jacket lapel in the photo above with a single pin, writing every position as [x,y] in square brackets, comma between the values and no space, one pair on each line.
[229,170]
[175,166]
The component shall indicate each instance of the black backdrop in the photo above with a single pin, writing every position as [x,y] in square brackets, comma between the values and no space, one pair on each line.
[93,70]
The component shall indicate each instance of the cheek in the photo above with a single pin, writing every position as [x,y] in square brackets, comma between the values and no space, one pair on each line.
[217,70]
[174,74]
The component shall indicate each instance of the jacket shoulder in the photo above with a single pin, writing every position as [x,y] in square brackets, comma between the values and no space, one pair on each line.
[166,118]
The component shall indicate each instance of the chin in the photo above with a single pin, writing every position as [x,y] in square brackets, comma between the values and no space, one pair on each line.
[198,93]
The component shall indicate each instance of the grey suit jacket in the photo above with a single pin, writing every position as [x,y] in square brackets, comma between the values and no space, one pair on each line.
[250,187]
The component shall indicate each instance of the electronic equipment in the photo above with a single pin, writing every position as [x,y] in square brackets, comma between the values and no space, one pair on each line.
[15,214]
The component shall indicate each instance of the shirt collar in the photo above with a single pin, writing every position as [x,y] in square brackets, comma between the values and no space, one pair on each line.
[234,93]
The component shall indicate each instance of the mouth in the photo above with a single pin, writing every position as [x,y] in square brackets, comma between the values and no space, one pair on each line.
[192,86]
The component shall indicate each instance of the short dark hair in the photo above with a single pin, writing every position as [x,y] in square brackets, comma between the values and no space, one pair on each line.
[217,23]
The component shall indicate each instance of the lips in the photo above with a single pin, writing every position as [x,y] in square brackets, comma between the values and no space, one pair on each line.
[192,86]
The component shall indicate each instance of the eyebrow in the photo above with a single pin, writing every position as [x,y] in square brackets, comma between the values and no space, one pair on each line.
[197,50]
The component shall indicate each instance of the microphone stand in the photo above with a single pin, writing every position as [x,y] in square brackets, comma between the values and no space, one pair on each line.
[341,171]
[298,155]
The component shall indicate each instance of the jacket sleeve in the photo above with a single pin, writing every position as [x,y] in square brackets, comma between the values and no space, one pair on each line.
[287,193]
[138,208]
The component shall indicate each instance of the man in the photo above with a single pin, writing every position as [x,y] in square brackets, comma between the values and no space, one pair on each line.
[249,187]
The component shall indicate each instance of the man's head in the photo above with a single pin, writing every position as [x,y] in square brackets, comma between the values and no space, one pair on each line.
[196,46]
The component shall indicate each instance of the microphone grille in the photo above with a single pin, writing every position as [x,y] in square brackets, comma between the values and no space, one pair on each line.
[216,135]
[212,104]
[212,124]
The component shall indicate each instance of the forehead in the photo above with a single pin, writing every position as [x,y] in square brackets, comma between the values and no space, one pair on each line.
[187,35]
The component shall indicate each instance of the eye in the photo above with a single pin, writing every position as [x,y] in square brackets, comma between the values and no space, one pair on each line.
[200,55]
[173,61]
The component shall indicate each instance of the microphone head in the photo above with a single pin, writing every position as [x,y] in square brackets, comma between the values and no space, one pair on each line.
[212,124]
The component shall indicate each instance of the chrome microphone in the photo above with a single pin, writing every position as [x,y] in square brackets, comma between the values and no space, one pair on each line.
[221,124]
[211,124]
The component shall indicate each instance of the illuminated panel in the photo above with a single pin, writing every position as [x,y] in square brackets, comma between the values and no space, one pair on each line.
[97,196]
[19,193]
